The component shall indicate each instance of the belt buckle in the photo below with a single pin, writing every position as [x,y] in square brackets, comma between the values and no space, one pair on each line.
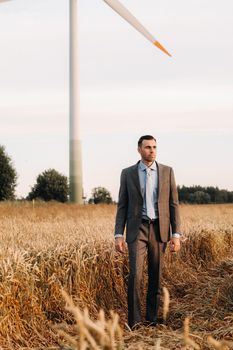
[147,220]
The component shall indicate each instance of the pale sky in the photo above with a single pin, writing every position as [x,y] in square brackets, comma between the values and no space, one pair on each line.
[128,88]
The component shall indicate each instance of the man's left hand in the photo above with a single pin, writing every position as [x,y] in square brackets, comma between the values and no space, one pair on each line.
[174,245]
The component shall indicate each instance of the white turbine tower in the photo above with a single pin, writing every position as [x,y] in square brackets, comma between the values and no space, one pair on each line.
[76,186]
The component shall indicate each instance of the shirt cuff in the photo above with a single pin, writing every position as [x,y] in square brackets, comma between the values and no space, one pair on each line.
[176,235]
[118,235]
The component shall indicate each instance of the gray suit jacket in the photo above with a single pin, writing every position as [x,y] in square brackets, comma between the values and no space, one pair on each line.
[130,203]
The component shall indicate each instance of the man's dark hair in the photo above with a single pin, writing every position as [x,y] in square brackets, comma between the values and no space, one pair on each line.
[145,137]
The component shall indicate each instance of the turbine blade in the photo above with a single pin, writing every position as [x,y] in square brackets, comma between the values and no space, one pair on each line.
[127,15]
[156,43]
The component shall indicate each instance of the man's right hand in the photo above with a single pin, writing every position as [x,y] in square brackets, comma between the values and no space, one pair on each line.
[120,244]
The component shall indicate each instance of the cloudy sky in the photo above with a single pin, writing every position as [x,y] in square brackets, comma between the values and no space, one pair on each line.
[128,88]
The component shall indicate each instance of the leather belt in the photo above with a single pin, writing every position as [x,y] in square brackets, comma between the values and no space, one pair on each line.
[148,221]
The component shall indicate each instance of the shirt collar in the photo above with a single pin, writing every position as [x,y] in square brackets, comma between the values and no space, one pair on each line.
[142,166]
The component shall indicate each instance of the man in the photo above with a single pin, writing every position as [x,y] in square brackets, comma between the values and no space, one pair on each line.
[148,207]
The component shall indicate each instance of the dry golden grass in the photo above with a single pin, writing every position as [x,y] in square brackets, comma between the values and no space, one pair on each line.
[52,247]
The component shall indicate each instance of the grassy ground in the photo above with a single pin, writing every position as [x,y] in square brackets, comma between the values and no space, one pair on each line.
[48,248]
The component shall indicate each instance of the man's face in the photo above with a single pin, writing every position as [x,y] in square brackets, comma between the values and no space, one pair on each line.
[148,150]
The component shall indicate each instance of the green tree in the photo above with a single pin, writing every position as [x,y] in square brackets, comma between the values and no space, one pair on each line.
[199,197]
[50,185]
[213,191]
[8,176]
[100,195]
[230,197]
[222,196]
[183,193]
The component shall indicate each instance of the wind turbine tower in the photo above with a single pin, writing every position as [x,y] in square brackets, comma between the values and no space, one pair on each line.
[76,181]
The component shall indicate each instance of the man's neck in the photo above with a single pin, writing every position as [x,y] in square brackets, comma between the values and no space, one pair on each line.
[148,164]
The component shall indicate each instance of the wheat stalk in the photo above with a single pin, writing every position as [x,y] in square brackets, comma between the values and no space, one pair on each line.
[166,303]
[186,336]
[96,335]
[219,345]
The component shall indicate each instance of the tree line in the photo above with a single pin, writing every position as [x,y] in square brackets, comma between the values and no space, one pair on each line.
[51,185]
[204,195]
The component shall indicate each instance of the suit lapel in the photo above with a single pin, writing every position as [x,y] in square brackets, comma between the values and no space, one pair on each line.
[135,178]
[160,171]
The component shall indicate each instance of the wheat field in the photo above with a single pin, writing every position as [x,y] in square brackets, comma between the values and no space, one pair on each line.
[62,286]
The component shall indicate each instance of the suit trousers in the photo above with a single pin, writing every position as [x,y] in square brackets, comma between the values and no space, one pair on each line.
[147,243]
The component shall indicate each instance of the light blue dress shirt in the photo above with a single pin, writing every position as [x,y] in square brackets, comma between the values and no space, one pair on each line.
[142,168]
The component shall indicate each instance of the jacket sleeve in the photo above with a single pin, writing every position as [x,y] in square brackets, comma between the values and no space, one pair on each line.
[122,207]
[174,205]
